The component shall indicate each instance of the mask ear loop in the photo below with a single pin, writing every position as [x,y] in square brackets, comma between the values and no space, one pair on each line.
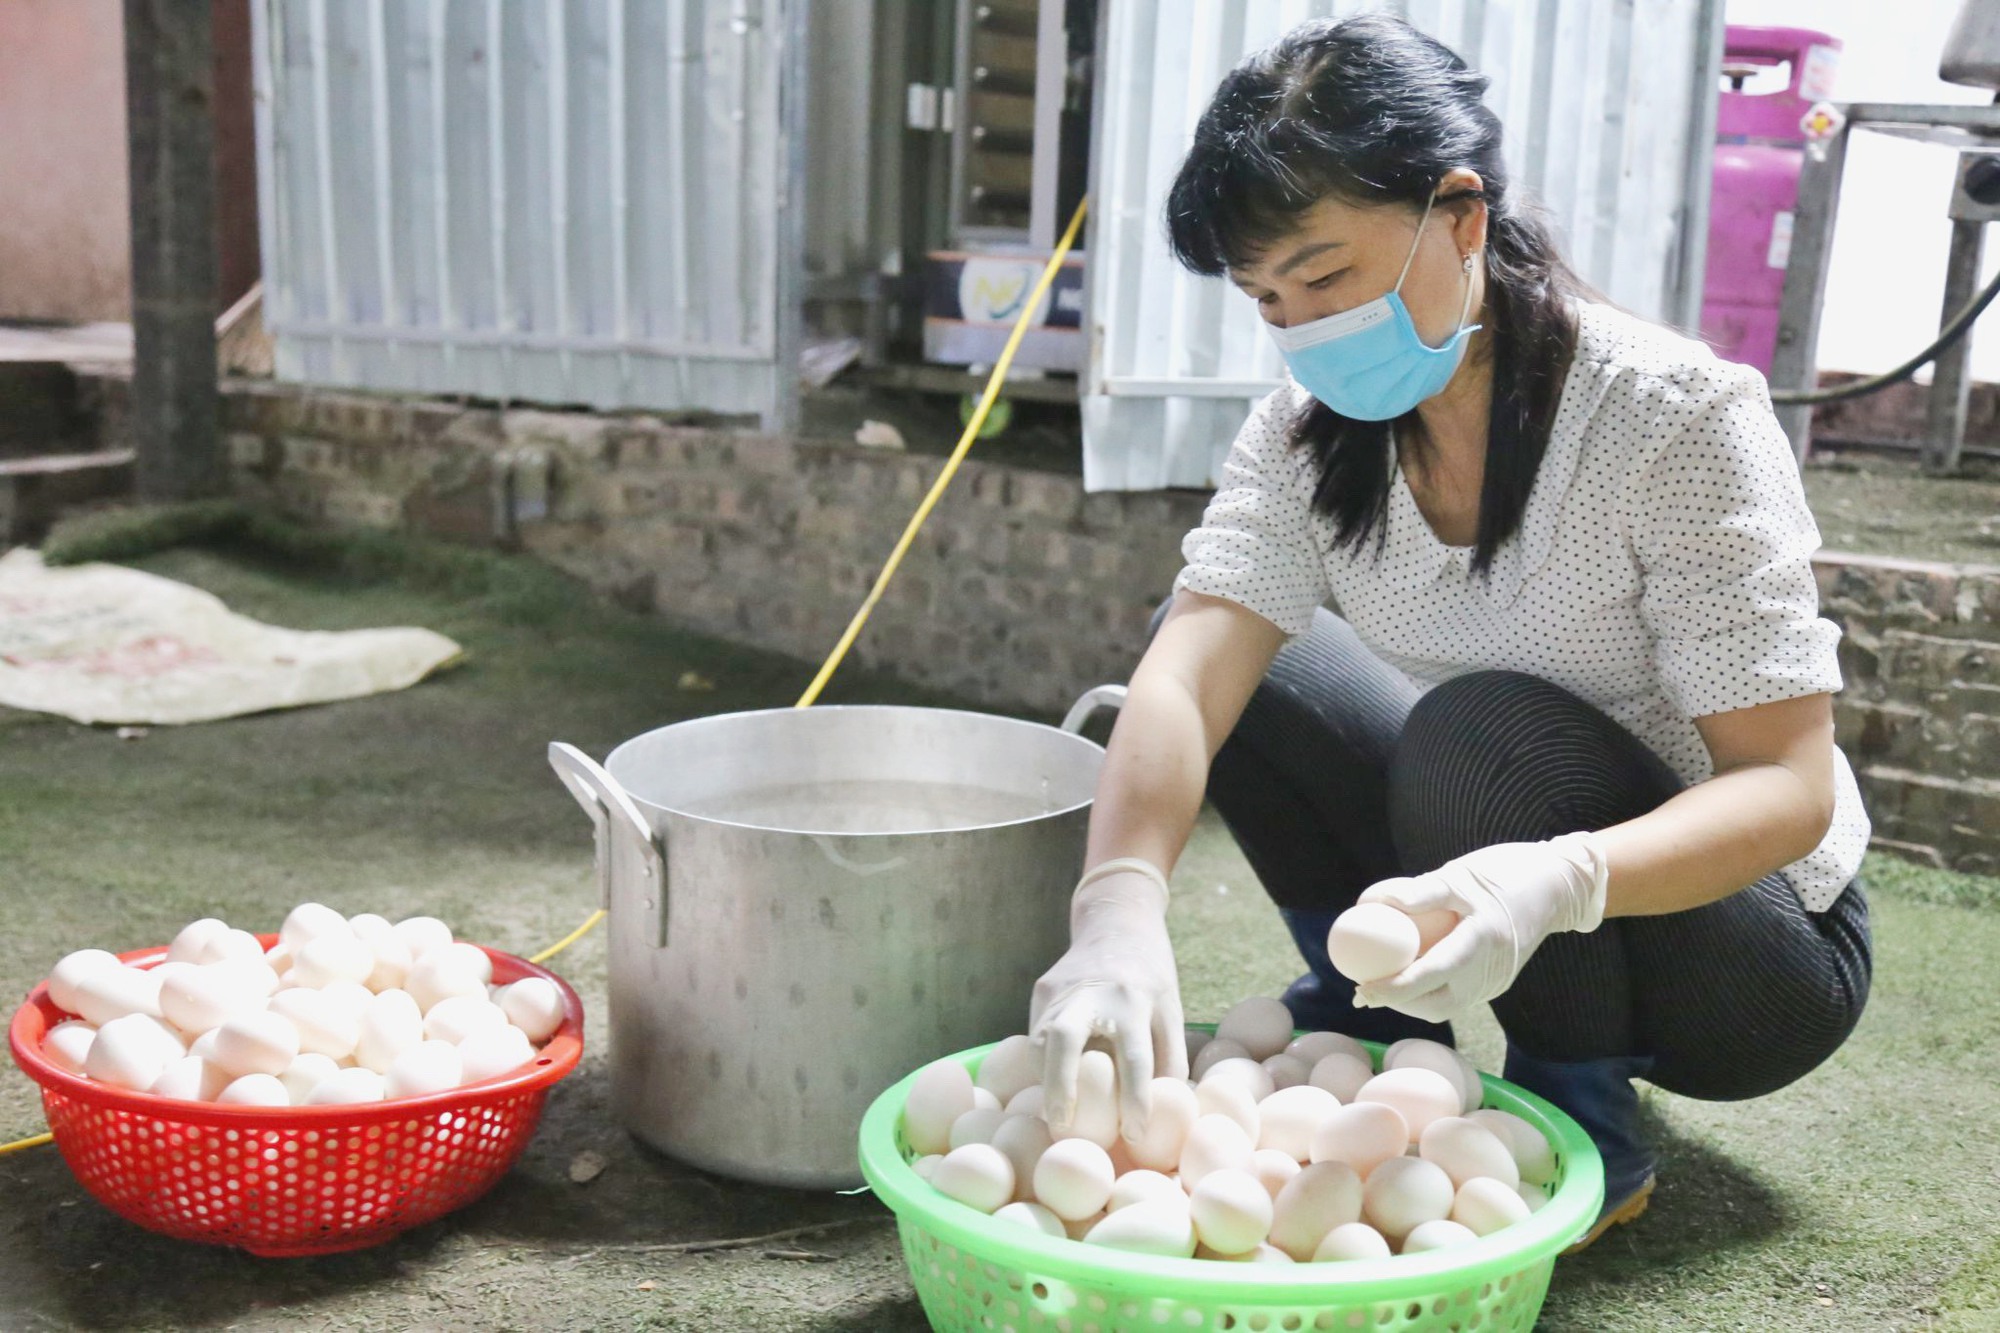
[1411,258]
[1465,307]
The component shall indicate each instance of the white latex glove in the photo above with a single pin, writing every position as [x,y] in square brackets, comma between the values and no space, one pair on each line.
[1117,983]
[1510,897]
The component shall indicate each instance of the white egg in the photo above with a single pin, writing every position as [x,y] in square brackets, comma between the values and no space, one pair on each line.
[1028,1101]
[190,1079]
[390,1025]
[1533,1156]
[255,975]
[392,954]
[427,1067]
[73,968]
[1213,1053]
[325,1025]
[1483,1205]
[262,1043]
[347,1087]
[1214,1143]
[1441,1234]
[1341,1074]
[1266,1253]
[982,1100]
[491,1052]
[1032,1216]
[1173,1114]
[1231,1210]
[1315,1201]
[1135,1186]
[1260,1025]
[977,1175]
[422,934]
[1313,1047]
[1419,1095]
[193,939]
[312,921]
[1532,1195]
[105,993]
[1363,1135]
[1273,1169]
[1352,1240]
[534,1005]
[1073,1179]
[1255,1079]
[1286,1071]
[1196,1039]
[975,1126]
[231,946]
[1289,1117]
[1151,1226]
[1009,1067]
[1230,1097]
[468,956]
[67,1044]
[441,974]
[1465,1149]
[1024,1138]
[1096,1113]
[279,959]
[457,1017]
[203,1046]
[325,959]
[1422,1053]
[1370,941]
[131,1052]
[1079,1229]
[941,1094]
[926,1166]
[306,1072]
[1403,1193]
[254,1090]
[207,997]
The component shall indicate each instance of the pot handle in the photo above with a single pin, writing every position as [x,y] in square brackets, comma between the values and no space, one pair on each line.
[618,823]
[1102,696]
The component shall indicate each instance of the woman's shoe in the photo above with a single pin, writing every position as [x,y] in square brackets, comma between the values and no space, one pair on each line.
[1323,1000]
[1598,1095]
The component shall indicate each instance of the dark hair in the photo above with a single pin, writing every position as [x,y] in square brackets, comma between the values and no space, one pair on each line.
[1372,111]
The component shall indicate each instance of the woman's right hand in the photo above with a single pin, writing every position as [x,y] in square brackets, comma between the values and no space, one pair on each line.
[1117,983]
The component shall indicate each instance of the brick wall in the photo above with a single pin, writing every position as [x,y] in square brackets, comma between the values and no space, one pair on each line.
[1920,717]
[1021,589]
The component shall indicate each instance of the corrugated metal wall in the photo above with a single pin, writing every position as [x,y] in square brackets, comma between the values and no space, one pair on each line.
[564,201]
[1609,111]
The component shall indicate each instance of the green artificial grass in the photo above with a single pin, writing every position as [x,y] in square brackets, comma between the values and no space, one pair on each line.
[1862,1197]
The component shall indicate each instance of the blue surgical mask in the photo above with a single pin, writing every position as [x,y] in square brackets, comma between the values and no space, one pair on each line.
[1368,363]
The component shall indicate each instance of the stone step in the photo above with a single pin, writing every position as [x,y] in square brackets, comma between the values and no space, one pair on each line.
[35,491]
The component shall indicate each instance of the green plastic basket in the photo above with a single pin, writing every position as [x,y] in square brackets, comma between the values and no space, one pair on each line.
[975,1273]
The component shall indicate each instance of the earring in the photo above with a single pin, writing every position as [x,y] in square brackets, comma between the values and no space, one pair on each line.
[1470,259]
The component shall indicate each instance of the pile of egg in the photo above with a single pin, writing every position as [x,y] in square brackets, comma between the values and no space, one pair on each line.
[1279,1150]
[342,1010]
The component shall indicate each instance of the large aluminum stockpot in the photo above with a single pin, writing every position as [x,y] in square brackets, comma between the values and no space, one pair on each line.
[806,904]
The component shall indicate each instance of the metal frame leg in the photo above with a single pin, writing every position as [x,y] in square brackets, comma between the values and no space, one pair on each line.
[1951,386]
[1795,362]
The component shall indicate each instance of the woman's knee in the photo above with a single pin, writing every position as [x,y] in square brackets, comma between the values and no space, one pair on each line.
[1502,756]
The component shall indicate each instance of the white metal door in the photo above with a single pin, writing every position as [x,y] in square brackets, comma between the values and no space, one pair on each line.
[564,201]
[1609,109]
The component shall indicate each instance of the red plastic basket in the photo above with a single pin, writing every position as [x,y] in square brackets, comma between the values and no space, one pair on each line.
[282,1181]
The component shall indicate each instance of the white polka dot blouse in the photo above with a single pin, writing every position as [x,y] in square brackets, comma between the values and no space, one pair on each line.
[1661,570]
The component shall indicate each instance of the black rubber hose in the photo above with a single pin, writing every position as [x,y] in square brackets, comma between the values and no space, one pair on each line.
[1949,334]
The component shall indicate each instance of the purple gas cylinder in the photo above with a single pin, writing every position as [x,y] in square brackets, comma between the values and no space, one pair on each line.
[1759,147]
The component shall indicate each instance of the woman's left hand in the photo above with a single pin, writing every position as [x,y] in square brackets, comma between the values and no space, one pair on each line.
[1509,897]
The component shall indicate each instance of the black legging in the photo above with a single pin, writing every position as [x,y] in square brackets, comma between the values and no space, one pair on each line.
[1341,774]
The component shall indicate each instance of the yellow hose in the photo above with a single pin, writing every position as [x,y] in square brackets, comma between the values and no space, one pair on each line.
[889,567]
